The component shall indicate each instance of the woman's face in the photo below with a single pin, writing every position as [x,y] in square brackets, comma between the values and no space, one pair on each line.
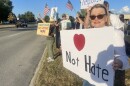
[98,17]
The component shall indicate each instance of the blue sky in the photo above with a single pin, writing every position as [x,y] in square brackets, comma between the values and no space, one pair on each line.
[37,6]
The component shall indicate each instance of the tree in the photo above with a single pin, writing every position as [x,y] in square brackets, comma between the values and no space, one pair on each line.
[47,18]
[12,18]
[83,12]
[5,8]
[28,16]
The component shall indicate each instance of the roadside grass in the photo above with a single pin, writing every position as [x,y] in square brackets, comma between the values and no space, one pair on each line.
[128,76]
[54,74]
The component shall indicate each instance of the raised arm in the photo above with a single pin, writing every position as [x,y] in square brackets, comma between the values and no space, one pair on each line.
[87,19]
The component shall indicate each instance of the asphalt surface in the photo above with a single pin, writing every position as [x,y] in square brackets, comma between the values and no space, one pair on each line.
[20,52]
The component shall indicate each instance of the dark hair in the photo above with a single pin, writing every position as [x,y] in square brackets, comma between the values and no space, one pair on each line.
[99,6]
[121,15]
[106,3]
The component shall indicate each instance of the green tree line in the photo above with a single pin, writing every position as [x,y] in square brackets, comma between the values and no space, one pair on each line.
[5,8]
[6,14]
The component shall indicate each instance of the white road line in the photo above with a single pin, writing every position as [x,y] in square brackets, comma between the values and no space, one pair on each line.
[11,35]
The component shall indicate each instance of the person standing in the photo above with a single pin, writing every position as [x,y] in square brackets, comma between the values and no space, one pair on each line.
[117,23]
[50,41]
[65,23]
[121,17]
[57,38]
[99,19]
[114,19]
[57,31]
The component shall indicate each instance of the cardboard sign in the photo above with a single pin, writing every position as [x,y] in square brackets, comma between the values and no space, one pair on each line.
[89,53]
[43,29]
[53,15]
[87,3]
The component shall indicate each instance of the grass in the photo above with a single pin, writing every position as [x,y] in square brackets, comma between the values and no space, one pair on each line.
[54,74]
[128,76]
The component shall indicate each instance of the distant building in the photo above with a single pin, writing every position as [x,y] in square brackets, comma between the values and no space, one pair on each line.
[127,16]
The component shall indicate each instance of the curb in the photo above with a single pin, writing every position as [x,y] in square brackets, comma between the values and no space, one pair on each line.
[10,26]
[6,26]
[36,74]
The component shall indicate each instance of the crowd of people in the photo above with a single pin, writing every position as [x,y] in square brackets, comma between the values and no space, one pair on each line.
[97,16]
[66,23]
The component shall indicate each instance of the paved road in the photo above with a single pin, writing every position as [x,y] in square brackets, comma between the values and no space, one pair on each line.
[20,52]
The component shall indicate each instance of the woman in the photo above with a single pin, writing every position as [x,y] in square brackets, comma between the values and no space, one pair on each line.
[99,18]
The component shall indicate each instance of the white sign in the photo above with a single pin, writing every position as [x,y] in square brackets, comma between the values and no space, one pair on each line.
[89,53]
[87,3]
[53,15]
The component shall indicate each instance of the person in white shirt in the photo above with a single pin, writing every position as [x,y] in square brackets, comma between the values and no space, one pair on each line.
[65,23]
[116,22]
[98,19]
[114,19]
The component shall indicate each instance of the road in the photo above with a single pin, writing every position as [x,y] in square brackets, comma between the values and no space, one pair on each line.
[20,51]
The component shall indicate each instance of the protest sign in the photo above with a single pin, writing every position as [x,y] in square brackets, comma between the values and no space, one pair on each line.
[43,29]
[89,53]
[87,3]
[53,15]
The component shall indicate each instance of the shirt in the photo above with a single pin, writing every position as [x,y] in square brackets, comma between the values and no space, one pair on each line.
[119,48]
[116,22]
[65,24]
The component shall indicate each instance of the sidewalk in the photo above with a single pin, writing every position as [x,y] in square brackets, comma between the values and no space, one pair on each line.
[5,26]
[13,25]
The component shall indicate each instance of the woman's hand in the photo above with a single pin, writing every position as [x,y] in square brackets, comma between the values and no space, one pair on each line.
[88,10]
[77,15]
[87,19]
[117,64]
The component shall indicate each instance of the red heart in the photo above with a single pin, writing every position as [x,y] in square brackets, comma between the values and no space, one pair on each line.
[79,41]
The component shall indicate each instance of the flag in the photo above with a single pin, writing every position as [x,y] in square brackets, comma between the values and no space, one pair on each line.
[69,5]
[46,10]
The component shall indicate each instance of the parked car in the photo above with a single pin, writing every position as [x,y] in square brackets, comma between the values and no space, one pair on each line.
[21,24]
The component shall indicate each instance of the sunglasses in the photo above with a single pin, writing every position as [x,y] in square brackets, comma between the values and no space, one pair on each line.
[98,16]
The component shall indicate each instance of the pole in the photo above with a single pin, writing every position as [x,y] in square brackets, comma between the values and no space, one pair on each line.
[74,10]
[41,18]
